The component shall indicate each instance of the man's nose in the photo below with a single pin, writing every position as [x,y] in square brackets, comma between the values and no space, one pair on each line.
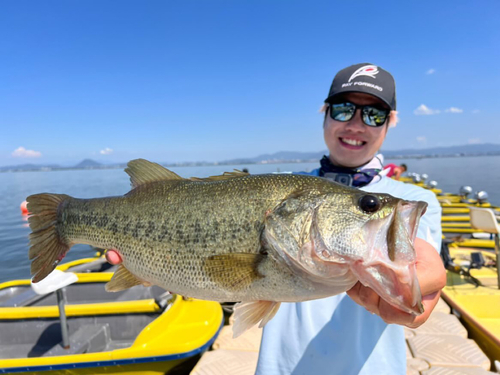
[356,123]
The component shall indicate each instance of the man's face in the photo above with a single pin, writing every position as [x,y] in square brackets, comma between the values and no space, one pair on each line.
[352,143]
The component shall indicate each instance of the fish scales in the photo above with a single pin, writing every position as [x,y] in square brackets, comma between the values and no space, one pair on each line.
[169,228]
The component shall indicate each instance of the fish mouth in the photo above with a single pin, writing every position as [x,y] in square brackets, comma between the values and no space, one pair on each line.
[390,270]
[398,288]
[410,212]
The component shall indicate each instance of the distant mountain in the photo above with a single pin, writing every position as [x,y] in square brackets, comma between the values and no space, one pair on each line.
[292,156]
[28,167]
[88,163]
[278,157]
[286,156]
[476,149]
[84,164]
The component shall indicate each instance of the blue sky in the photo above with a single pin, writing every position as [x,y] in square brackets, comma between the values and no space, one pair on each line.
[207,80]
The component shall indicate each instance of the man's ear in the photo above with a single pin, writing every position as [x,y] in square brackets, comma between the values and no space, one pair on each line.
[324,109]
[393,119]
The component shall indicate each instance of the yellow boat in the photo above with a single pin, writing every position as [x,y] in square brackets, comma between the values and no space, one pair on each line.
[472,288]
[474,297]
[457,226]
[137,331]
[461,210]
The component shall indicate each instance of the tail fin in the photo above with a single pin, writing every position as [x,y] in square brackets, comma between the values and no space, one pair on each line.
[46,247]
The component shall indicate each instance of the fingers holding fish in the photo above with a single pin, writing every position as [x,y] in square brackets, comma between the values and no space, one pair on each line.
[430,269]
[372,302]
[431,276]
[429,301]
[365,297]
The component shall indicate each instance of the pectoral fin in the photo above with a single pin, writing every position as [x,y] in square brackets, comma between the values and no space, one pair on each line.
[248,314]
[234,271]
[124,279]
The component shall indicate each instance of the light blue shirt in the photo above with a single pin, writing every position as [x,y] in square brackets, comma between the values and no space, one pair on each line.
[335,335]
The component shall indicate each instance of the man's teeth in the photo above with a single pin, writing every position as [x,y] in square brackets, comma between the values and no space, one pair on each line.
[352,142]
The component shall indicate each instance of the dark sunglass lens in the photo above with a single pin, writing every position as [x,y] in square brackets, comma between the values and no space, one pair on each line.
[342,111]
[374,116]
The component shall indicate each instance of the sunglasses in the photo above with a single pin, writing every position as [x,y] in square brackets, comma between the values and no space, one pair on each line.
[371,116]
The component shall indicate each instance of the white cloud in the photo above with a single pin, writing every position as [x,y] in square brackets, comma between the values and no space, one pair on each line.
[106,151]
[430,71]
[424,110]
[454,110]
[421,139]
[474,141]
[21,152]
[476,111]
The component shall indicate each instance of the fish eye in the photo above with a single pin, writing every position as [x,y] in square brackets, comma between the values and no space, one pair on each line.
[369,203]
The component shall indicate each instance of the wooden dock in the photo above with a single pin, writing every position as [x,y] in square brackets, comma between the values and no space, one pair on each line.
[438,347]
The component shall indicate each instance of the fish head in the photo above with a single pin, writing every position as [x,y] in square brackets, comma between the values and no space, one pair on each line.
[374,234]
[288,234]
[349,236]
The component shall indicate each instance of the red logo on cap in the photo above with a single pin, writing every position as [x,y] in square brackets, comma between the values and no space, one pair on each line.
[367,70]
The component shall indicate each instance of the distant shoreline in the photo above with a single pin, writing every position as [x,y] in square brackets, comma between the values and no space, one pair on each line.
[13,169]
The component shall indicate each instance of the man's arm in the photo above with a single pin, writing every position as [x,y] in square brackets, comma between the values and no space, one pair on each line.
[432,278]
[397,173]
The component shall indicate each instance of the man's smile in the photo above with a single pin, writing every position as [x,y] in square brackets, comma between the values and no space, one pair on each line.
[351,143]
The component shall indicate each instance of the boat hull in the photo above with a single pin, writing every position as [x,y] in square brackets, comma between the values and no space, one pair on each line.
[150,335]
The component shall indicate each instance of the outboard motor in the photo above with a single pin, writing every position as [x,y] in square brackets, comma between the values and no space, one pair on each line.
[432,184]
[424,177]
[416,178]
[476,260]
[465,191]
[481,197]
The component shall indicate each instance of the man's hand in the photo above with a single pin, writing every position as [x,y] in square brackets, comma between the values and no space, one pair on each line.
[431,277]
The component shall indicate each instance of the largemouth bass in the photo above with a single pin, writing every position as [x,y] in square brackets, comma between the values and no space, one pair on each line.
[259,239]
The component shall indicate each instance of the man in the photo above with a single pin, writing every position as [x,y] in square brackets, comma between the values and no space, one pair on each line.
[392,170]
[359,334]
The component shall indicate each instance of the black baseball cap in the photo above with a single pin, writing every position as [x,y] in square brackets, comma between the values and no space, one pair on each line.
[366,78]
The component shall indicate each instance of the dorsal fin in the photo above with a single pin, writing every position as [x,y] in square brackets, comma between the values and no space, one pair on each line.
[225,176]
[142,172]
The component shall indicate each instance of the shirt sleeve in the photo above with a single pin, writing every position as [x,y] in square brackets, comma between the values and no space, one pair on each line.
[429,228]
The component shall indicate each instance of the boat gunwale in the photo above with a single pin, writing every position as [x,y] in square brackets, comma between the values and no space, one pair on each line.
[144,305]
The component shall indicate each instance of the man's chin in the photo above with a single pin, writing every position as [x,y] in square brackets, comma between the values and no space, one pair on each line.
[351,161]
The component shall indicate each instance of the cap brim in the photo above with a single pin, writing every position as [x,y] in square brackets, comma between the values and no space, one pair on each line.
[331,98]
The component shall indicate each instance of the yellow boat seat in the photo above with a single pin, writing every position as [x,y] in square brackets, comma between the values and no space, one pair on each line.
[484,219]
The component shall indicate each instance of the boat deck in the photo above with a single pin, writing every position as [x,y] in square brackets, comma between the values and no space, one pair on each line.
[440,346]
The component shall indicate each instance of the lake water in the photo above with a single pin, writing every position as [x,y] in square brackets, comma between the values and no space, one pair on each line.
[482,173]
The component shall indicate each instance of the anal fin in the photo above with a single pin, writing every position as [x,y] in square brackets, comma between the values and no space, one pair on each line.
[124,279]
[248,314]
